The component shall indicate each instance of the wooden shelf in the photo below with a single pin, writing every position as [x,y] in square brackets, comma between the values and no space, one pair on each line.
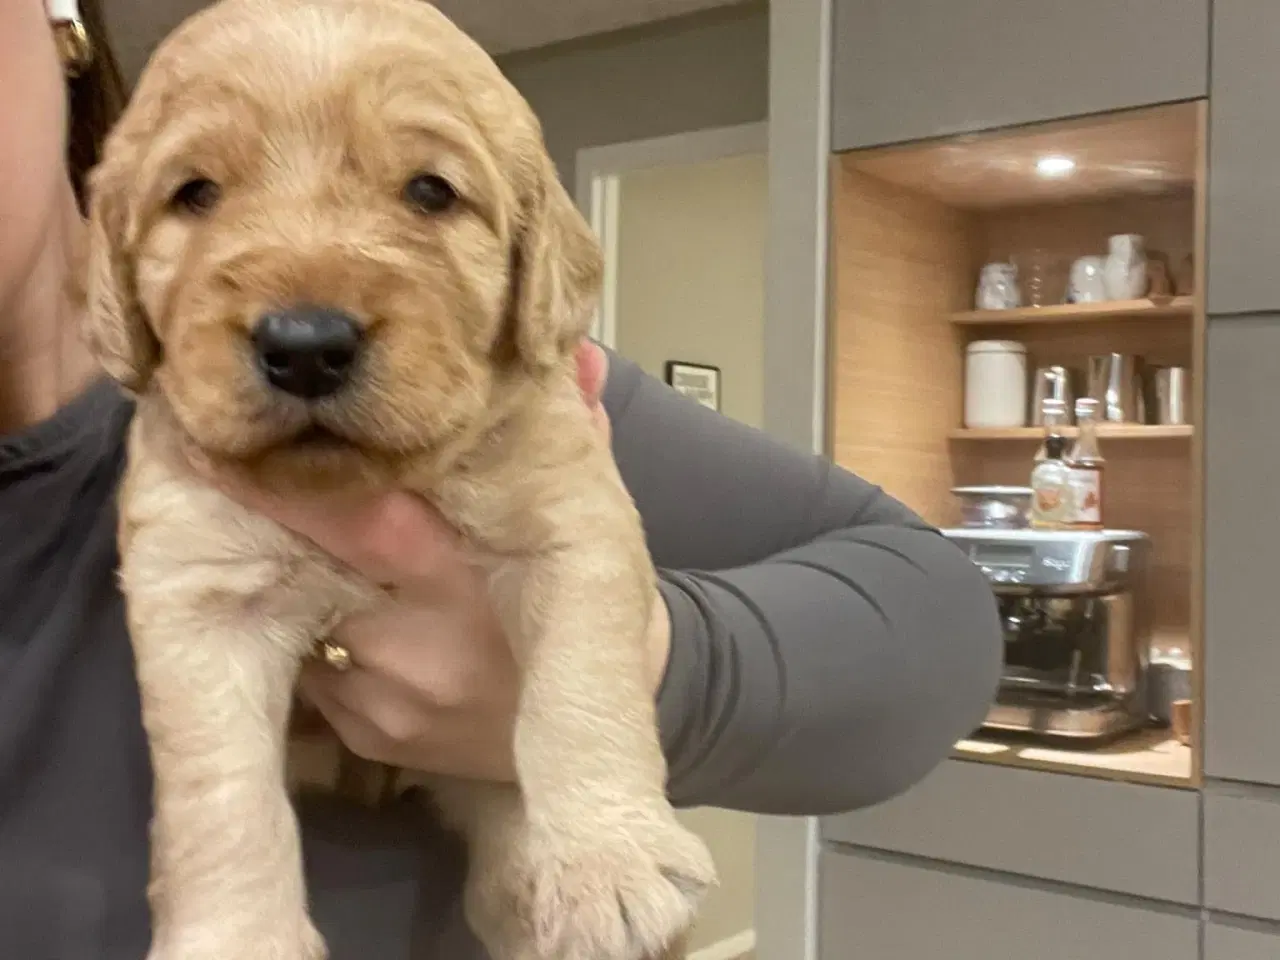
[1165,309]
[1106,431]
[1151,756]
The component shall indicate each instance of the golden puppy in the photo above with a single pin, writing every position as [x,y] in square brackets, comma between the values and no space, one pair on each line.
[328,250]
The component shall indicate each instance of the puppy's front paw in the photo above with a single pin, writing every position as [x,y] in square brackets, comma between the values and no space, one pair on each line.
[626,892]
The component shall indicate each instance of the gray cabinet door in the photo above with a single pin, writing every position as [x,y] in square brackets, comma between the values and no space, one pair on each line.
[1244,143]
[1122,837]
[909,69]
[873,909]
[1223,942]
[1242,850]
[1242,536]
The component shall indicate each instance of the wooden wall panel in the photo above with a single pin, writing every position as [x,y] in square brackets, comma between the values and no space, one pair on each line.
[903,263]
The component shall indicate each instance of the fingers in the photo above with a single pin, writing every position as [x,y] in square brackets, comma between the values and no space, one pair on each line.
[593,371]
[371,716]
[380,721]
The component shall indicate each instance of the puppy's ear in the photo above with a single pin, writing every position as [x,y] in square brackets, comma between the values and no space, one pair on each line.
[115,327]
[558,273]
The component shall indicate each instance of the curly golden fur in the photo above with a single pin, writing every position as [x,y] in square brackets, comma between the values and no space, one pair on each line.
[300,122]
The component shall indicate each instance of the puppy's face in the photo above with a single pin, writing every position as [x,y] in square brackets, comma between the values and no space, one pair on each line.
[325,232]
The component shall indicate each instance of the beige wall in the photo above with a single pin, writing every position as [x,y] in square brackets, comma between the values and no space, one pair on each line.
[692,73]
[690,273]
[691,287]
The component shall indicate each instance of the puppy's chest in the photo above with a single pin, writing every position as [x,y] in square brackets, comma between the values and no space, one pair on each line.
[190,552]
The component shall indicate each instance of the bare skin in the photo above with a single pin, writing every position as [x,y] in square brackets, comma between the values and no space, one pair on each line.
[44,362]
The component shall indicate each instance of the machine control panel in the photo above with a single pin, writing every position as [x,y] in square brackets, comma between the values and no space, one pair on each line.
[1050,559]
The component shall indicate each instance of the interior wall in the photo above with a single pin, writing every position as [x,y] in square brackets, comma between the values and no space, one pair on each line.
[690,273]
[693,73]
[691,287]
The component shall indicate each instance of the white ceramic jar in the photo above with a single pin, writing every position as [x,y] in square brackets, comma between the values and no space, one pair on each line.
[995,384]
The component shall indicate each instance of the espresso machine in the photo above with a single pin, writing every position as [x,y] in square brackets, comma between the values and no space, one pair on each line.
[1077,629]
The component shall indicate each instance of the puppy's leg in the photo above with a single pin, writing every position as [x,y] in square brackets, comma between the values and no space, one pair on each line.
[593,865]
[216,683]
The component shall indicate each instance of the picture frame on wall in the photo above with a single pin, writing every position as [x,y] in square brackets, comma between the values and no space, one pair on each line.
[698,381]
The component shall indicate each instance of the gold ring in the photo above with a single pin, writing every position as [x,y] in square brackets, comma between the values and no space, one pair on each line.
[75,48]
[335,655]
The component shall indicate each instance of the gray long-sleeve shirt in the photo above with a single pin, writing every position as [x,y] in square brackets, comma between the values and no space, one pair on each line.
[828,647]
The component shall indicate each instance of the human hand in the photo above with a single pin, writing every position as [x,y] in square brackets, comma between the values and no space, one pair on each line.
[432,683]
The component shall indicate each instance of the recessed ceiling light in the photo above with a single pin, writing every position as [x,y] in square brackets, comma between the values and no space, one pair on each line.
[1055,166]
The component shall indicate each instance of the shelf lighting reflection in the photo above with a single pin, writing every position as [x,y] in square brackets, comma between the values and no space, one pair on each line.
[1055,165]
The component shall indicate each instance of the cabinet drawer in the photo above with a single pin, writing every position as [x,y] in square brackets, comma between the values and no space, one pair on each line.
[1236,943]
[911,69]
[1123,837]
[870,909]
[1242,851]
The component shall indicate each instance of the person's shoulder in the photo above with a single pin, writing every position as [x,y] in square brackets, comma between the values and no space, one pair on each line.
[91,432]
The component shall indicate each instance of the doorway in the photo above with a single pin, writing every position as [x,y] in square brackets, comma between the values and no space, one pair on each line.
[682,221]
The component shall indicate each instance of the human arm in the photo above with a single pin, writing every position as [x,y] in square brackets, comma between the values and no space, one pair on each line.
[827,646]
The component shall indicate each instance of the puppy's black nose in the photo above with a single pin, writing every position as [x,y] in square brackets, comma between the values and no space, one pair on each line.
[307,351]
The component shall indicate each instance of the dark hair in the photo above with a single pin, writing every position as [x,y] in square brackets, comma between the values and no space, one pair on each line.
[95,98]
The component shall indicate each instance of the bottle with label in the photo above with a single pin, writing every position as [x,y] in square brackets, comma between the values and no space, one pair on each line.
[1052,503]
[1087,465]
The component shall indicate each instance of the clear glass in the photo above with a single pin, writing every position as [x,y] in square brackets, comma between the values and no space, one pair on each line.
[1041,277]
[1086,465]
[1086,449]
[1052,500]
[1054,414]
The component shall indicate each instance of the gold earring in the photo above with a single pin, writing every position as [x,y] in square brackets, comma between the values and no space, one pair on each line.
[75,48]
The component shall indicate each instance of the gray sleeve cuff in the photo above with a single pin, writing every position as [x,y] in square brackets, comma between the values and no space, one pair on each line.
[722,672]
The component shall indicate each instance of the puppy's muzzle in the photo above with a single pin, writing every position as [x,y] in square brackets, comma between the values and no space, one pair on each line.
[307,351]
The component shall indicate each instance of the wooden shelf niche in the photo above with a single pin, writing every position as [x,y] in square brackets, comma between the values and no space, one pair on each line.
[912,226]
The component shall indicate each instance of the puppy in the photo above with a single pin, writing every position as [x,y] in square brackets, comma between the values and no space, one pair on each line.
[328,250]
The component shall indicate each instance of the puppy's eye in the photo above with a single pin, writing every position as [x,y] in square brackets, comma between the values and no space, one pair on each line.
[197,196]
[428,193]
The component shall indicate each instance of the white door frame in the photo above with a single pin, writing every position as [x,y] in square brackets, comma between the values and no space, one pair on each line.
[598,174]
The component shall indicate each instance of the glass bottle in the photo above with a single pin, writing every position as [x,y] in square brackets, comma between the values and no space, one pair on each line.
[1051,494]
[1087,467]
[1053,417]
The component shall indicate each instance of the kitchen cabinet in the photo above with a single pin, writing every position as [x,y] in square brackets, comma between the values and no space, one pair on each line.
[1223,942]
[1242,537]
[1244,191]
[875,909]
[910,69]
[1123,837]
[1242,851]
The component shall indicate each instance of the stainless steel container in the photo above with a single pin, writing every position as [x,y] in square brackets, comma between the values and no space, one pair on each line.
[1172,389]
[1115,381]
[1050,383]
[1169,681]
